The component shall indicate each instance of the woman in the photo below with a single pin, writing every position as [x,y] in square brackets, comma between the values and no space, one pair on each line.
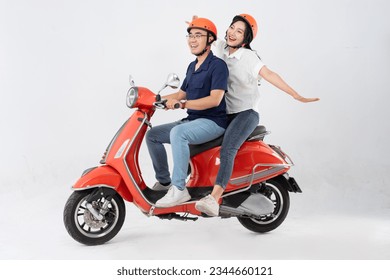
[242,99]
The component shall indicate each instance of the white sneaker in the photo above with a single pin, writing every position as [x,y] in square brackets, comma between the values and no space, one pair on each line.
[208,205]
[173,197]
[159,187]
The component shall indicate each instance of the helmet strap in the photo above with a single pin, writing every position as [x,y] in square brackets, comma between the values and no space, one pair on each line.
[202,52]
[235,47]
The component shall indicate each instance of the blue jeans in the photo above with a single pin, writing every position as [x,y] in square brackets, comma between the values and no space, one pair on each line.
[241,125]
[179,134]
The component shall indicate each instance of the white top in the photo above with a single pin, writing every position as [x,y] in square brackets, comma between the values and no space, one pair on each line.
[244,67]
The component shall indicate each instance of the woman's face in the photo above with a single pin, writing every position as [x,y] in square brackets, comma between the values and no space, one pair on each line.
[235,34]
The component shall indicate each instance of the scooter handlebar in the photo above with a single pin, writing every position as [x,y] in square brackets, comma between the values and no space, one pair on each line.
[162,104]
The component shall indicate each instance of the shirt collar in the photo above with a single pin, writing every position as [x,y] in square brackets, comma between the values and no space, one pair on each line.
[206,62]
[237,54]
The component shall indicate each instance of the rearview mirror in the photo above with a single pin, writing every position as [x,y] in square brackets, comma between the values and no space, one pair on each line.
[173,80]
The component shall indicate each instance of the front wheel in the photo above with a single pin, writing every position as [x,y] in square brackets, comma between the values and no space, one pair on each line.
[84,227]
[275,189]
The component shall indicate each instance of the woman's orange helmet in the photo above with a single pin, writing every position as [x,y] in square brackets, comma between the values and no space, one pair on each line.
[251,22]
[204,24]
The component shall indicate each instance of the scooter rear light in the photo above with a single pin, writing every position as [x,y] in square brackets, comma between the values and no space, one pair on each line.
[284,156]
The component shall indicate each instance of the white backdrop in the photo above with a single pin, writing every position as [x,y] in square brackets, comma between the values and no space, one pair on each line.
[64,69]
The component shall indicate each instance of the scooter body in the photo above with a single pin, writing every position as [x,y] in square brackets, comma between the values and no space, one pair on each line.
[96,204]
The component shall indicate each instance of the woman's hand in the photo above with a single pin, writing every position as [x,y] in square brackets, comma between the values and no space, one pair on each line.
[194,17]
[278,82]
[304,99]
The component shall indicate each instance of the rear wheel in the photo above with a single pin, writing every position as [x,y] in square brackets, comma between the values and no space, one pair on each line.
[276,189]
[84,227]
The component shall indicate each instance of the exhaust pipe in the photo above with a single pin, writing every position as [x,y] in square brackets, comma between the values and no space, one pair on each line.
[255,206]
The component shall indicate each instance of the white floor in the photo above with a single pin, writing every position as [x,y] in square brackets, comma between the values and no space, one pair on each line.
[32,229]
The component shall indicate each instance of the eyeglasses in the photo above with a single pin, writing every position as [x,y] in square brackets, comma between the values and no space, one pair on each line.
[196,36]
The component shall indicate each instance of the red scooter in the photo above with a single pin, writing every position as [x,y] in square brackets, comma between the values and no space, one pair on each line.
[257,193]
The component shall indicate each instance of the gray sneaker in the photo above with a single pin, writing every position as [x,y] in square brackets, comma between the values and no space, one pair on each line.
[208,205]
[158,187]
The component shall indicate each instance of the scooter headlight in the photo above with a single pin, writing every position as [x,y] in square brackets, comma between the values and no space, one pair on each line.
[132,96]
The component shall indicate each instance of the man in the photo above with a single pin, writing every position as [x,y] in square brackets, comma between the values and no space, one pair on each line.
[202,94]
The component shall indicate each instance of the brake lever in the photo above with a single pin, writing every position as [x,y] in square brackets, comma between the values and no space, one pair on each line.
[161,104]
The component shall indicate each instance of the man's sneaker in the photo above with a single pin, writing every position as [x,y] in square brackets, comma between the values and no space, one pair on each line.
[173,197]
[208,205]
[160,187]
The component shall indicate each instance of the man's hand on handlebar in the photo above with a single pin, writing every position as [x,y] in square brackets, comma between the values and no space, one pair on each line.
[173,104]
[169,104]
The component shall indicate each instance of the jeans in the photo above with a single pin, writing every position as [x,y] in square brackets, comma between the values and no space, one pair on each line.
[241,125]
[179,134]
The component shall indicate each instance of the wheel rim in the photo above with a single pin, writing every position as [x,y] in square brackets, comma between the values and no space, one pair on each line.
[91,227]
[274,194]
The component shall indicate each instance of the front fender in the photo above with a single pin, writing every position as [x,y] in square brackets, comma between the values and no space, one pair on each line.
[103,176]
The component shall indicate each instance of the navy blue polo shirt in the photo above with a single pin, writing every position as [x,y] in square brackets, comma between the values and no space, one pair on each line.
[212,74]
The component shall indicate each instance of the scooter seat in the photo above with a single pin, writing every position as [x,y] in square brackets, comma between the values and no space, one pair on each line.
[257,134]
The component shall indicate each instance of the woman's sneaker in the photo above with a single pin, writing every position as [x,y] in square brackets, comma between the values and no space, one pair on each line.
[208,205]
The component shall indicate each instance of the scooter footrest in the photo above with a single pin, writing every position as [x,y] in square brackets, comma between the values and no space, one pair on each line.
[171,216]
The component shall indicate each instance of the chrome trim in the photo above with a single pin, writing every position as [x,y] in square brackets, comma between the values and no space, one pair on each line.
[255,175]
[125,156]
[92,187]
[274,169]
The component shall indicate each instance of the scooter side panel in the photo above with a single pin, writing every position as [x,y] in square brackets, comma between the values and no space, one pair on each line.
[103,176]
[254,161]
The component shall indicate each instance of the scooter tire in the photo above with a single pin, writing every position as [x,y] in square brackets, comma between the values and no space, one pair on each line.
[81,230]
[275,189]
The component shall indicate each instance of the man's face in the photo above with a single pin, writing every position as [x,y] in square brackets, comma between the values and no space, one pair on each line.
[197,40]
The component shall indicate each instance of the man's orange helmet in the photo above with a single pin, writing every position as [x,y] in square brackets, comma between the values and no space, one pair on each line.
[204,24]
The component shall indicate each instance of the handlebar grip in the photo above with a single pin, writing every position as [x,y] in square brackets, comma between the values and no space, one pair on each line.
[176,106]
